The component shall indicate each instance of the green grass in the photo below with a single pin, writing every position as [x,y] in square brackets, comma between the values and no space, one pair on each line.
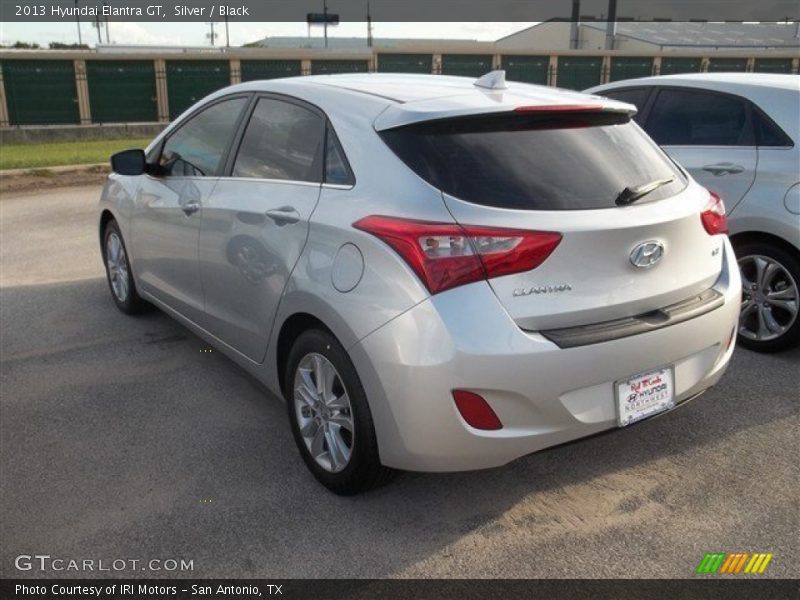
[29,156]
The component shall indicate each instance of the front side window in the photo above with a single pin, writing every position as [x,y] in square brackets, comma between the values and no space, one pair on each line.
[197,147]
[282,141]
[696,118]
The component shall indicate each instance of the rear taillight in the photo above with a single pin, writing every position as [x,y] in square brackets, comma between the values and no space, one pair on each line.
[713,215]
[446,255]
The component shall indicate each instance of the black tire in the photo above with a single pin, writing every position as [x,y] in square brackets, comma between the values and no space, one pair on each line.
[364,470]
[791,263]
[132,303]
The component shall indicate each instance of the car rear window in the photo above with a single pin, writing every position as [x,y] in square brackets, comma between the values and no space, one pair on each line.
[553,161]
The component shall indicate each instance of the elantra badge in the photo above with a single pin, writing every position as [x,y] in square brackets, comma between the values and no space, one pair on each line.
[542,289]
[647,254]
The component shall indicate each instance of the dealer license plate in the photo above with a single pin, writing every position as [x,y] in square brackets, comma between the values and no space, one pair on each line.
[645,395]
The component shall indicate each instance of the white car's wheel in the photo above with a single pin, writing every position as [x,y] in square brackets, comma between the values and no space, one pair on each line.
[769,321]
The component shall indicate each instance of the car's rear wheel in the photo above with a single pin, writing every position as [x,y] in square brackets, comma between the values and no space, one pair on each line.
[330,417]
[118,271]
[769,320]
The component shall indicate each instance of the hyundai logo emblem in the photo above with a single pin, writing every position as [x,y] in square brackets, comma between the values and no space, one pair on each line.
[647,254]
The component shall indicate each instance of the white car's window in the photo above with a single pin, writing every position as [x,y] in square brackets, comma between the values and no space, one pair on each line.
[196,148]
[635,96]
[282,141]
[697,118]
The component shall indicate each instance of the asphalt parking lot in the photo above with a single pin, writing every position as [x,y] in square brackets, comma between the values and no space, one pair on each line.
[120,438]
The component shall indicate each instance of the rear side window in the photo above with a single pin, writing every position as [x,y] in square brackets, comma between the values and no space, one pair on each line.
[695,118]
[536,162]
[768,133]
[337,170]
[635,96]
[282,141]
[196,148]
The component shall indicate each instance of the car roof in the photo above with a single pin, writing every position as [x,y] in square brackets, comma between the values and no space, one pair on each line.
[718,81]
[411,98]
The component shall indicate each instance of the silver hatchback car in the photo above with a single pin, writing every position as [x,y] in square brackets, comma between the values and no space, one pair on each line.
[738,134]
[436,273]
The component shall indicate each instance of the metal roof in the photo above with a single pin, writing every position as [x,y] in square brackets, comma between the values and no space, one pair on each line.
[359,43]
[716,35]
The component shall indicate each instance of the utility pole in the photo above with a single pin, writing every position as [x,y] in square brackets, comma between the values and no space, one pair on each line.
[611,25]
[574,32]
[227,33]
[99,30]
[78,21]
[211,36]
[108,35]
[369,27]
[325,25]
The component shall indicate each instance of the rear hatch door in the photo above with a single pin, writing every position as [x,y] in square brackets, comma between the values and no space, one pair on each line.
[567,171]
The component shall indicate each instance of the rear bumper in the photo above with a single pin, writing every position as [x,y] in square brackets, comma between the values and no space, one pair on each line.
[544,395]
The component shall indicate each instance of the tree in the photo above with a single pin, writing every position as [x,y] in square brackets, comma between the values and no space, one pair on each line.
[63,46]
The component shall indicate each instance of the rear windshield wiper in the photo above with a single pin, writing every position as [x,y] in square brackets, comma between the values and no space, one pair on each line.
[631,194]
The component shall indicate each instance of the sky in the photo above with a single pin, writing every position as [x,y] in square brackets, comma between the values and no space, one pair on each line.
[194,34]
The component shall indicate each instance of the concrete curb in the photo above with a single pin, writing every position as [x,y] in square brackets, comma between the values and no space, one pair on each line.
[39,171]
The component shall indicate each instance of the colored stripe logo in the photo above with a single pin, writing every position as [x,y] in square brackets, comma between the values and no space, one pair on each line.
[734,563]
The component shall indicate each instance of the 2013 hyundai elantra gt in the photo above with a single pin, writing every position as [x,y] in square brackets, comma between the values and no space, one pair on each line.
[436,273]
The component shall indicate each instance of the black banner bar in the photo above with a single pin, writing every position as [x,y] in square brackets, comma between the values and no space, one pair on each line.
[716,588]
[399,10]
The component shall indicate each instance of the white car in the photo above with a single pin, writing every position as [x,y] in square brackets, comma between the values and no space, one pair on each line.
[436,273]
[738,134]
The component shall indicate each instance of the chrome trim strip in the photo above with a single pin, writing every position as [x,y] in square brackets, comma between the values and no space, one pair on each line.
[597,333]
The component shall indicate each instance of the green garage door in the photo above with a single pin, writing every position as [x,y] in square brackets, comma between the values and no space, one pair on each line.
[122,91]
[630,67]
[190,80]
[720,65]
[676,66]
[773,65]
[327,67]
[579,72]
[530,69]
[466,65]
[40,92]
[405,63]
[269,69]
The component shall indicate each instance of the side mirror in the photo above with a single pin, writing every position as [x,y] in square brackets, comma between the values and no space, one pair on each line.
[129,162]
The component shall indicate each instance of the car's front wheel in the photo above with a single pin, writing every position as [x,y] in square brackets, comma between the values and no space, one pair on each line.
[118,271]
[769,320]
[330,416]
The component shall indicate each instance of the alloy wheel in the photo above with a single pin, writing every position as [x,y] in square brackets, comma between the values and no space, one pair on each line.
[323,412]
[117,264]
[769,298]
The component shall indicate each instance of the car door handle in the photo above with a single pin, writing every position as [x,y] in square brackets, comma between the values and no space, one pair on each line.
[284,215]
[189,208]
[723,169]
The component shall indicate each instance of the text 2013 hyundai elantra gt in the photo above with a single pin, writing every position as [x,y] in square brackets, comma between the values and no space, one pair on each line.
[436,273]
